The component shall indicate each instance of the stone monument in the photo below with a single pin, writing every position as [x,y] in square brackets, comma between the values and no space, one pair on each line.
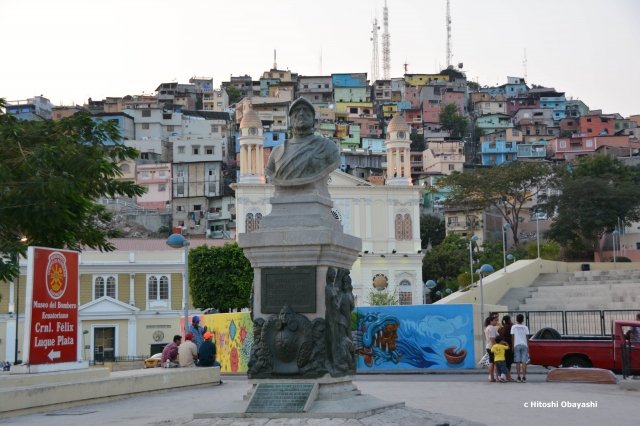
[303,359]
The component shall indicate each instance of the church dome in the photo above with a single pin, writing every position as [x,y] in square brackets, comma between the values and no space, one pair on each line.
[397,124]
[250,119]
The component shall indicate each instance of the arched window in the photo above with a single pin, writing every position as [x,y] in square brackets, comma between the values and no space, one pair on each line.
[164,288]
[125,168]
[158,288]
[111,287]
[258,220]
[98,288]
[153,288]
[248,223]
[403,227]
[405,292]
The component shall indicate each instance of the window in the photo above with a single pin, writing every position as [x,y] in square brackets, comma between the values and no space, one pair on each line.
[197,207]
[509,145]
[492,145]
[145,126]
[180,208]
[180,173]
[162,187]
[181,150]
[588,120]
[219,104]
[58,115]
[492,157]
[281,75]
[589,130]
[104,286]
[451,167]
[181,223]
[145,175]
[252,222]
[589,143]
[162,173]
[487,105]
[563,144]
[180,190]
[158,288]
[403,227]
[219,94]
[275,136]
[405,292]
[170,128]
[515,133]
[125,168]
[209,150]
[146,113]
[195,150]
[353,110]
[214,128]
[549,131]
[509,157]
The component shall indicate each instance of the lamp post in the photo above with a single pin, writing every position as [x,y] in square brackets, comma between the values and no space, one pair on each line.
[504,244]
[484,269]
[474,238]
[615,234]
[538,232]
[178,241]
[429,285]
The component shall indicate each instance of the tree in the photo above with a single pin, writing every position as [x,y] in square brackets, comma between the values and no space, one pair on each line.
[431,229]
[220,277]
[234,94]
[383,297]
[507,187]
[451,120]
[589,199]
[445,261]
[50,174]
[473,86]
[417,142]
[566,134]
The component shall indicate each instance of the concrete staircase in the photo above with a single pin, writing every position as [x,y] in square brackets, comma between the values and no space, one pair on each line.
[515,297]
[584,291]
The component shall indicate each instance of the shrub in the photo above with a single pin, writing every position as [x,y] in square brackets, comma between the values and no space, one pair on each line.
[548,251]
[163,229]
[621,259]
[465,279]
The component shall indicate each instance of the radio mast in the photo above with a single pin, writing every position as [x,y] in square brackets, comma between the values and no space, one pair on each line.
[374,58]
[386,46]
[448,34]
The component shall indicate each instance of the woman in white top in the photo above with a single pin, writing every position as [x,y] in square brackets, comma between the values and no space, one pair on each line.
[490,333]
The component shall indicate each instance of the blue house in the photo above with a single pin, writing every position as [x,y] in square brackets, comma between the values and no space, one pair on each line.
[537,149]
[555,101]
[271,139]
[123,121]
[350,80]
[498,152]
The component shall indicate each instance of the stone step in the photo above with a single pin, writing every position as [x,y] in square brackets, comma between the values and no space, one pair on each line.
[611,273]
[590,289]
[635,298]
[602,282]
[569,306]
[515,296]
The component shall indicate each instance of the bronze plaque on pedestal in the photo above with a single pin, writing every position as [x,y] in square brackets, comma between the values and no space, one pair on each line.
[294,286]
[280,398]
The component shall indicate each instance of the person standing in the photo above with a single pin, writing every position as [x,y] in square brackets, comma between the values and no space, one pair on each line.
[188,352]
[498,351]
[197,331]
[633,335]
[207,353]
[505,333]
[520,346]
[170,353]
[490,333]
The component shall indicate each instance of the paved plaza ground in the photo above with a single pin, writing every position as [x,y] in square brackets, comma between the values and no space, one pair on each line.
[469,396]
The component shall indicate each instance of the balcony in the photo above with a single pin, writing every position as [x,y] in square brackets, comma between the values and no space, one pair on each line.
[458,226]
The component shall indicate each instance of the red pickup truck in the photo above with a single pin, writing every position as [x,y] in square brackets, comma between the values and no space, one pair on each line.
[550,349]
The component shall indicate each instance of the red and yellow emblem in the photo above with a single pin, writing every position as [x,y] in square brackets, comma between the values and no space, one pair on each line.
[56,277]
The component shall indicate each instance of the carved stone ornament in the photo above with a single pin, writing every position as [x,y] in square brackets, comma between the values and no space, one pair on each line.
[339,303]
[287,344]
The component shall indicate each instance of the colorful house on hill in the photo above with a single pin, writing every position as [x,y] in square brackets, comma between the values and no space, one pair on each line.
[493,122]
[597,125]
[498,152]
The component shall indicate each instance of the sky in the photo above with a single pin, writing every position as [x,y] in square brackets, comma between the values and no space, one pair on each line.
[70,50]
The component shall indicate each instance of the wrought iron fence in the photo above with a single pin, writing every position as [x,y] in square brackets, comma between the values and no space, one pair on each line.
[101,360]
[630,354]
[586,322]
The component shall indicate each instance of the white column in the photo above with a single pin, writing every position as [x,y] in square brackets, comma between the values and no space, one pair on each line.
[261,171]
[391,238]
[80,345]
[132,297]
[389,163]
[356,212]
[243,160]
[367,211]
[10,342]
[11,297]
[398,169]
[131,331]
[249,168]
[407,163]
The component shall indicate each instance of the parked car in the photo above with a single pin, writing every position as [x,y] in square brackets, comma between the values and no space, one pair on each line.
[153,361]
[550,349]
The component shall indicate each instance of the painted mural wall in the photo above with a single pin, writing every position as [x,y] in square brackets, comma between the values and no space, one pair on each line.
[385,337]
[413,337]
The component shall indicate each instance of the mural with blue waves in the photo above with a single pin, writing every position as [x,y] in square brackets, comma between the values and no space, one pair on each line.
[413,337]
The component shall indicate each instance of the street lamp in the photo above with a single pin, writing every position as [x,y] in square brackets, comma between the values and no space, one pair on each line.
[538,231]
[484,270]
[474,238]
[504,244]
[429,285]
[178,241]
[615,234]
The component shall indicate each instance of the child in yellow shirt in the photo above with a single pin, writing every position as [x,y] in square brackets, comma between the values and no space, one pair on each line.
[499,350]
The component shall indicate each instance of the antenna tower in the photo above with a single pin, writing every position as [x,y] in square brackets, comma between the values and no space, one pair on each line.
[448,34]
[386,46]
[524,63]
[374,58]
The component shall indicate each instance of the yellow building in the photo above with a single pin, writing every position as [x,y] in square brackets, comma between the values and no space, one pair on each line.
[344,106]
[424,79]
[130,299]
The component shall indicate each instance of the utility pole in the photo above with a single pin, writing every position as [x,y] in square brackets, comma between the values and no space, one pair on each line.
[448,34]
[386,46]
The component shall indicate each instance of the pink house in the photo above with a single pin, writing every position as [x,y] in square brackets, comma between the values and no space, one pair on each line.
[513,105]
[413,117]
[156,178]
[570,148]
[450,97]
[412,94]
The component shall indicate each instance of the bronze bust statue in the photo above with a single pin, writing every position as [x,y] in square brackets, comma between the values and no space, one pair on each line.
[306,157]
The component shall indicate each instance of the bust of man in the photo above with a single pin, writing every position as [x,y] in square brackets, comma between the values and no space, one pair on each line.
[306,157]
